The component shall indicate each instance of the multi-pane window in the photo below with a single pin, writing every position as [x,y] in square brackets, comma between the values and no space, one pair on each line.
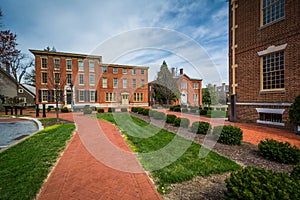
[92,66]
[81,79]
[138,97]
[115,70]
[69,64]
[133,83]
[195,86]
[195,97]
[115,83]
[44,62]
[272,10]
[110,97]
[80,65]
[69,78]
[133,71]
[183,85]
[44,77]
[124,71]
[44,94]
[142,71]
[104,69]
[92,96]
[273,71]
[124,82]
[104,82]
[56,63]
[81,95]
[92,79]
[56,78]
[271,117]
[143,83]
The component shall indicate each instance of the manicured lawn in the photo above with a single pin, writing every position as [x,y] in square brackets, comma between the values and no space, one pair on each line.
[216,114]
[169,157]
[24,167]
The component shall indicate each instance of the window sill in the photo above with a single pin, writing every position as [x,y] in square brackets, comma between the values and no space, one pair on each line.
[270,123]
[272,91]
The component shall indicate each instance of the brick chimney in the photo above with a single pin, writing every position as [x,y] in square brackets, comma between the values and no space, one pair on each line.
[223,87]
[181,71]
[173,71]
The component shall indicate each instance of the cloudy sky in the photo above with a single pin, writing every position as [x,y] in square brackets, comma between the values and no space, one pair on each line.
[192,35]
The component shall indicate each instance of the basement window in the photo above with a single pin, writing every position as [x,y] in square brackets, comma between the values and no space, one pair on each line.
[270,116]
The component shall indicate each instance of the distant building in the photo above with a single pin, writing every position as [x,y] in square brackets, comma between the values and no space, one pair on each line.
[84,80]
[264,72]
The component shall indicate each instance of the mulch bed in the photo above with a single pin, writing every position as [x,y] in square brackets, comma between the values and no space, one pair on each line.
[213,186]
[61,121]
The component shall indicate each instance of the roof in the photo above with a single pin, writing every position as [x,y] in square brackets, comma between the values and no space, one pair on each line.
[56,53]
[29,88]
[192,79]
[125,66]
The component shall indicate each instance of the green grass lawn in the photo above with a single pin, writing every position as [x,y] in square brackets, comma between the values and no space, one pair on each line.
[24,167]
[169,157]
[216,114]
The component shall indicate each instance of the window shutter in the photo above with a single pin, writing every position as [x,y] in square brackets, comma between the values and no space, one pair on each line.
[96,96]
[84,97]
[60,95]
[40,96]
[52,96]
[77,96]
[49,93]
[88,95]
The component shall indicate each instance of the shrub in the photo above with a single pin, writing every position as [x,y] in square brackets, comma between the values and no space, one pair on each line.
[140,110]
[159,115]
[100,110]
[134,109]
[256,183]
[87,110]
[294,111]
[183,122]
[279,151]
[171,108]
[295,174]
[170,119]
[230,135]
[184,110]
[110,110]
[123,109]
[177,109]
[202,112]
[146,112]
[64,110]
[200,127]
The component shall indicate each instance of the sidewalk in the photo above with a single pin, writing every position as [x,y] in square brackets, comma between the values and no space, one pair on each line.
[97,164]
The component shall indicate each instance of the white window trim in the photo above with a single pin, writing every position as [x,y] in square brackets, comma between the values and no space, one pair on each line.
[42,62]
[79,65]
[272,49]
[90,66]
[79,79]
[90,79]
[20,90]
[115,68]
[103,82]
[91,95]
[79,95]
[67,65]
[58,64]
[123,71]
[270,110]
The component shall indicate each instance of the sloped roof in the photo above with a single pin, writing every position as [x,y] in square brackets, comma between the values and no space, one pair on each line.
[29,88]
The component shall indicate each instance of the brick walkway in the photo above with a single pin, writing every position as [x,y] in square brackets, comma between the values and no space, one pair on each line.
[97,164]
[251,133]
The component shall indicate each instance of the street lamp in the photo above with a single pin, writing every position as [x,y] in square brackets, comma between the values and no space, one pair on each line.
[71,85]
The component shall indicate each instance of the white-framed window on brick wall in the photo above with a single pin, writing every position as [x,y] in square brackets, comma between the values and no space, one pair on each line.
[272,10]
[272,71]
[81,95]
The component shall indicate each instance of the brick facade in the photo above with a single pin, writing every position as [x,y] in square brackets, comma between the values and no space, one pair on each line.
[86,91]
[254,40]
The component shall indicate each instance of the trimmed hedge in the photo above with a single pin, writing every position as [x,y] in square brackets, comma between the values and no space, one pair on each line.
[124,110]
[279,151]
[170,119]
[201,128]
[177,109]
[257,183]
[111,110]
[230,135]
[134,109]
[64,110]
[202,112]
[159,115]
[146,112]
[295,174]
[182,122]
[100,110]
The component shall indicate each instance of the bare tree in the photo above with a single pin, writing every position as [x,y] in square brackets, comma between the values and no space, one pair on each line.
[19,65]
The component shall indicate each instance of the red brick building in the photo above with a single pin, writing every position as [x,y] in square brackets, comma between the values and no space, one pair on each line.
[87,81]
[264,55]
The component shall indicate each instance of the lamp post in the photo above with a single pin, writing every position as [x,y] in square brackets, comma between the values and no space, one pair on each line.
[71,85]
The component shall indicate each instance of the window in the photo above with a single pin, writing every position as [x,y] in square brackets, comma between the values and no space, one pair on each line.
[142,71]
[143,83]
[104,82]
[110,97]
[133,71]
[115,83]
[92,79]
[195,86]
[81,79]
[104,69]
[273,71]
[92,96]
[56,78]
[92,66]
[270,116]
[124,71]
[115,70]
[56,63]
[69,64]
[272,10]
[138,97]
[44,95]
[195,97]
[183,85]
[133,83]
[80,66]
[20,90]
[69,78]
[81,95]
[44,62]
[124,82]
[44,77]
